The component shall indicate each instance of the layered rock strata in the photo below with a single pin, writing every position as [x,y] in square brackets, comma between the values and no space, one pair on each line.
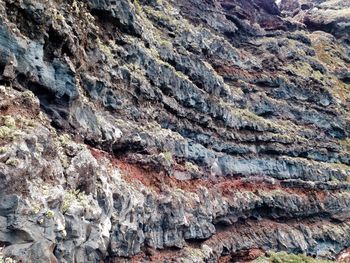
[173,131]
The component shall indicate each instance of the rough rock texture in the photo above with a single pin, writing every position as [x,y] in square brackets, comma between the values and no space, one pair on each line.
[173,131]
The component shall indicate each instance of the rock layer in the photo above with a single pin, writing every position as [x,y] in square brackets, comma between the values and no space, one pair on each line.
[173,131]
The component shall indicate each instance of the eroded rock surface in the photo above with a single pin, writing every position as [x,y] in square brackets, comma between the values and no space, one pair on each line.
[173,131]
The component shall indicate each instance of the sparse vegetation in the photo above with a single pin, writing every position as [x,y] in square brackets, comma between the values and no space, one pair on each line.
[180,74]
[6,133]
[166,43]
[50,214]
[254,120]
[57,16]
[346,144]
[12,162]
[3,150]
[69,197]
[9,122]
[8,129]
[75,6]
[283,257]
[73,196]
[348,179]
[64,139]
[4,259]
[35,208]
[138,6]
[104,48]
[194,255]
[39,147]
[191,167]
[28,94]
[167,156]
[64,159]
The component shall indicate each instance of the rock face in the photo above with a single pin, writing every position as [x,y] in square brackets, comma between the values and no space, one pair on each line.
[173,131]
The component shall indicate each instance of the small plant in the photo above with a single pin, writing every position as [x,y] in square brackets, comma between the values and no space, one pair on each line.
[67,201]
[195,254]
[3,150]
[39,147]
[191,167]
[30,123]
[64,233]
[346,144]
[7,260]
[4,259]
[57,16]
[8,129]
[6,133]
[50,214]
[28,94]
[167,156]
[104,48]
[138,6]
[35,208]
[64,139]
[75,6]
[73,196]
[64,160]
[180,74]
[12,162]
[9,122]
[166,43]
